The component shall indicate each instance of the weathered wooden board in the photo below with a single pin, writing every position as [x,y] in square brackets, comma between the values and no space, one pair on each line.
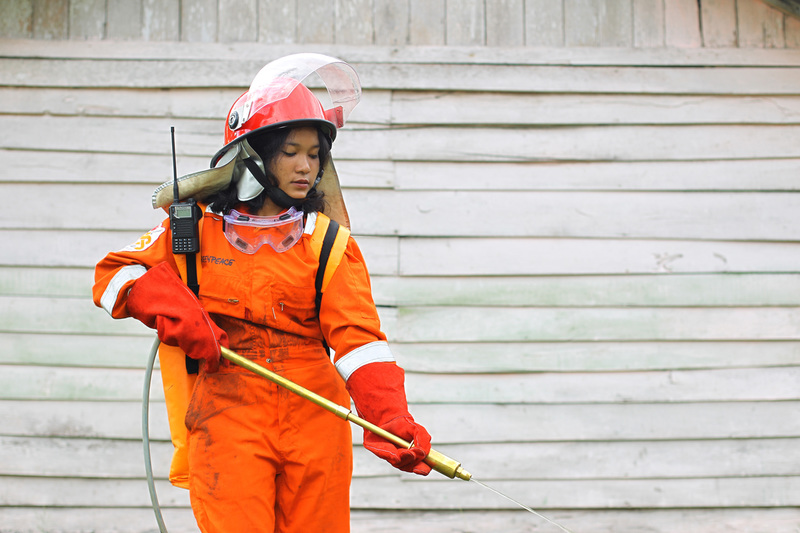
[646,215]
[459,424]
[475,324]
[260,53]
[180,520]
[132,73]
[702,290]
[492,324]
[434,143]
[73,349]
[119,351]
[515,357]
[123,459]
[18,382]
[657,290]
[26,166]
[393,493]
[86,248]
[502,257]
[739,174]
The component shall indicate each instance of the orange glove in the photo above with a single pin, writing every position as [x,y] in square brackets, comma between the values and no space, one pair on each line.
[379,394]
[160,300]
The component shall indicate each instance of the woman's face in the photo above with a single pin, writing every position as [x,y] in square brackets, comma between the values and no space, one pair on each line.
[296,164]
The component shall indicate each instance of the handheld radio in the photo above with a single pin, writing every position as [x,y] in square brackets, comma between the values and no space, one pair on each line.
[183,216]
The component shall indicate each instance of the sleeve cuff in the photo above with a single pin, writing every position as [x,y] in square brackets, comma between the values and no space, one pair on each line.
[374,352]
[123,276]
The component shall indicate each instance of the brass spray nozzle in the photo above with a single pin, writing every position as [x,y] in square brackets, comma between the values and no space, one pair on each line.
[437,461]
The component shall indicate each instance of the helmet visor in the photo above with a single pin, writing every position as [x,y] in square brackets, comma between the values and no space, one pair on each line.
[248,233]
[339,78]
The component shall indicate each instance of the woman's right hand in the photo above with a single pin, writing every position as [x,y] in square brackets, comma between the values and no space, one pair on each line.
[160,300]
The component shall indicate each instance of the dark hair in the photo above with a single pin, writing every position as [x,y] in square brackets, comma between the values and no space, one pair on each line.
[267,145]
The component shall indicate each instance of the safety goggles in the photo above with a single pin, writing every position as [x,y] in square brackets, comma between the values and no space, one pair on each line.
[248,233]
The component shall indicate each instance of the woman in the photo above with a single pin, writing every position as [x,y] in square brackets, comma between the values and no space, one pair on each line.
[260,458]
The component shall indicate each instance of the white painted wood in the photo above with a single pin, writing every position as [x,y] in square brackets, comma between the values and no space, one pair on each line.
[78,167]
[498,257]
[61,520]
[515,357]
[392,493]
[459,423]
[277,22]
[237,20]
[161,20]
[648,23]
[701,290]
[324,16]
[426,22]
[155,74]
[760,25]
[466,22]
[123,19]
[424,107]
[689,493]
[434,324]
[505,23]
[86,248]
[87,19]
[544,23]
[363,56]
[19,382]
[631,143]
[199,21]
[702,216]
[391,22]
[752,175]
[76,350]
[682,23]
[354,22]
[123,459]
[719,23]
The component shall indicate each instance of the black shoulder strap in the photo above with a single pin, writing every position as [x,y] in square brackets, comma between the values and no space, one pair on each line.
[324,254]
[192,365]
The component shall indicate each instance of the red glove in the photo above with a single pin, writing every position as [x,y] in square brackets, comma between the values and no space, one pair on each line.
[160,300]
[380,397]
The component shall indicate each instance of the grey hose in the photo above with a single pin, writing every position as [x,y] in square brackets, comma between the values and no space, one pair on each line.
[148,465]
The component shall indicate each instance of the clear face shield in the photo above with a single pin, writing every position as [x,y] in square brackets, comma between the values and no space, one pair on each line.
[248,233]
[278,79]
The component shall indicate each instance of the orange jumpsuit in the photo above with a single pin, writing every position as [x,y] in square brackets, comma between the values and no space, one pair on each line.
[261,458]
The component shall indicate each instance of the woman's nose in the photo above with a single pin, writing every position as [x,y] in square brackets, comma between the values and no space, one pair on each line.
[304,164]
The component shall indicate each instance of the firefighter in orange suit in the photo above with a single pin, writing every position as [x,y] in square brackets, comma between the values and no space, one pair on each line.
[261,458]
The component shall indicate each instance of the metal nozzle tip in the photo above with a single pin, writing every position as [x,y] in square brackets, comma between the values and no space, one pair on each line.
[463,474]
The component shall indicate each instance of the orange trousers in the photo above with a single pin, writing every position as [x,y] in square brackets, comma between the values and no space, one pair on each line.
[261,458]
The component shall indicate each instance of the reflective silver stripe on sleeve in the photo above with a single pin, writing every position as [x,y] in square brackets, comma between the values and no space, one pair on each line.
[123,276]
[374,352]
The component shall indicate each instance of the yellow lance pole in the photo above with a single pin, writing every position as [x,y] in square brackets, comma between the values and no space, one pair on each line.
[437,461]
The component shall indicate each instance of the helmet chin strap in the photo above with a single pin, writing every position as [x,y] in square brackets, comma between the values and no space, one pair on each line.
[275,193]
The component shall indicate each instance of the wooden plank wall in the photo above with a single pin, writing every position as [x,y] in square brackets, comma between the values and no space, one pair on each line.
[586,257]
[618,23]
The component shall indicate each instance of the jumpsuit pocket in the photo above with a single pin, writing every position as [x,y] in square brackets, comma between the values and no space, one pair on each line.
[224,295]
[293,306]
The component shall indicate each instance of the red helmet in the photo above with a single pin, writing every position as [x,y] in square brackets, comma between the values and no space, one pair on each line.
[278,97]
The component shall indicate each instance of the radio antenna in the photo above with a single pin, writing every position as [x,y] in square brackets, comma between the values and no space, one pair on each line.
[174,167]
